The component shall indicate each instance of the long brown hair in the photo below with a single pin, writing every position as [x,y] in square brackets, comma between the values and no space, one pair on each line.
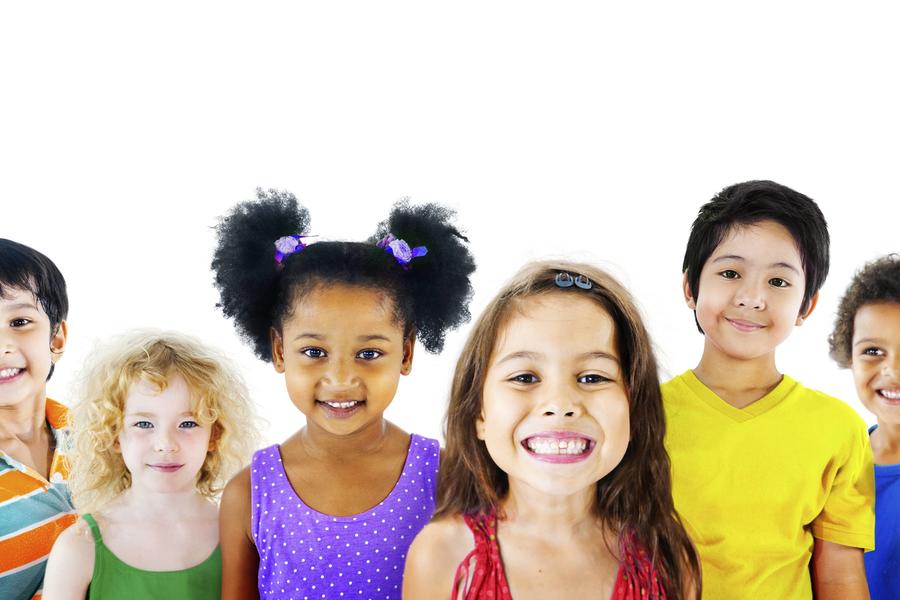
[636,496]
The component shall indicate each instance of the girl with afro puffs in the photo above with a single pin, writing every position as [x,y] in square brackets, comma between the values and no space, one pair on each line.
[332,510]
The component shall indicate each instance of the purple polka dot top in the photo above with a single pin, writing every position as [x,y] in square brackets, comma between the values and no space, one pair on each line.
[305,554]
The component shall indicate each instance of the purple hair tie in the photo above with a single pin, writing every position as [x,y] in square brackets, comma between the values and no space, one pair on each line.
[400,250]
[287,245]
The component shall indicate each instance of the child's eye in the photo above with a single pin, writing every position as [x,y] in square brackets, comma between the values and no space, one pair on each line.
[188,424]
[19,322]
[369,354]
[143,425]
[873,351]
[526,378]
[593,378]
[730,274]
[779,282]
[314,352]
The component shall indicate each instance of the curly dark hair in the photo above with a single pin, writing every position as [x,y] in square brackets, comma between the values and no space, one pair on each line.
[877,282]
[429,298]
[751,202]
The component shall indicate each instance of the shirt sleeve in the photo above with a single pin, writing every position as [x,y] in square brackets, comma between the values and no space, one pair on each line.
[848,516]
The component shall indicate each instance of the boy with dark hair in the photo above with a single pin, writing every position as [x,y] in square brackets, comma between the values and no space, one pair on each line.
[866,338]
[773,480]
[35,506]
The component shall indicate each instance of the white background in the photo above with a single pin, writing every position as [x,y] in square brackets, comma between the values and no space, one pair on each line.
[565,129]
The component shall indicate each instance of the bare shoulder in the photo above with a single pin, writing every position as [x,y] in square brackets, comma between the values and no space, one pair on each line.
[71,563]
[237,491]
[434,557]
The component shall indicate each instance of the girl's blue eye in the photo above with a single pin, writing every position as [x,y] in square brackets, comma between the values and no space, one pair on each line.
[593,378]
[314,352]
[779,282]
[729,274]
[369,354]
[143,425]
[189,424]
[527,378]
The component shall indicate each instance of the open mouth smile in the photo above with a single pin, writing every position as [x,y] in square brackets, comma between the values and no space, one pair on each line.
[892,395]
[559,446]
[10,373]
[341,408]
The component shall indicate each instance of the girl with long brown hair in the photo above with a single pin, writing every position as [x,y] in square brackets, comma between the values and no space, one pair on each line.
[555,454]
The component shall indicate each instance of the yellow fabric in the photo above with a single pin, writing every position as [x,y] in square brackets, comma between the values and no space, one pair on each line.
[753,486]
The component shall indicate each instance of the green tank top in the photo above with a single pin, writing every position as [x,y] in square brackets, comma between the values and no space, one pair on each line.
[114,579]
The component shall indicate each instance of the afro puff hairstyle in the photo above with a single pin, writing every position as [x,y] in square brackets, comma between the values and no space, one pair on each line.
[430,297]
[877,282]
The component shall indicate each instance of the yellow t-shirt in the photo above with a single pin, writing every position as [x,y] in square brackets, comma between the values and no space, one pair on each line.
[753,486]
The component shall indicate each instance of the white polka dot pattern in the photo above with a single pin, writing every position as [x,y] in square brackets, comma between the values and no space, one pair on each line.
[305,554]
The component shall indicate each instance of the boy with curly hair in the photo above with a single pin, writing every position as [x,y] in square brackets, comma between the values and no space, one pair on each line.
[866,338]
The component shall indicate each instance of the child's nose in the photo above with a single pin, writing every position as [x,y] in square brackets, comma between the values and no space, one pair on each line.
[340,374]
[750,295]
[165,443]
[560,401]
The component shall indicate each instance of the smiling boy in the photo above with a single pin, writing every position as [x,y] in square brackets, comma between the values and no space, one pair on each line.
[866,338]
[773,480]
[35,506]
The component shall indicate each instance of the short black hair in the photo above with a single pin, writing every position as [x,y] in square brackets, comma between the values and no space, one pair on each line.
[24,268]
[877,282]
[751,202]
[430,297]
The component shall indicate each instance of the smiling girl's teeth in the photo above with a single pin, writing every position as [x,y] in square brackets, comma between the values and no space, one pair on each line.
[892,394]
[350,404]
[6,373]
[554,446]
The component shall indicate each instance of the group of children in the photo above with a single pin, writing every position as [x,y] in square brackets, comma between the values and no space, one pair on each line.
[568,469]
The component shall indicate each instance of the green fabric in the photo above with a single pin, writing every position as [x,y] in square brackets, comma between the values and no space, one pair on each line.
[113,579]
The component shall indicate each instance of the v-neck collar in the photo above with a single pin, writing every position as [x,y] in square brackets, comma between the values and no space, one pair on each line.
[740,415]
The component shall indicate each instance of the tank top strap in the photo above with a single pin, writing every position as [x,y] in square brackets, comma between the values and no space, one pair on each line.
[95,529]
[480,576]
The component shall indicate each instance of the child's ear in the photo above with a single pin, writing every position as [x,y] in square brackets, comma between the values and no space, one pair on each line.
[409,346]
[277,349]
[58,341]
[688,294]
[479,426]
[812,305]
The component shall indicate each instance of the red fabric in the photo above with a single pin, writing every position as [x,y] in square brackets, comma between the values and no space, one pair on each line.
[480,575]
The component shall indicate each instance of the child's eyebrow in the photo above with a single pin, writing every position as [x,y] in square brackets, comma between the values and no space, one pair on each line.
[315,336]
[374,336]
[21,305]
[868,340]
[783,265]
[521,354]
[600,354]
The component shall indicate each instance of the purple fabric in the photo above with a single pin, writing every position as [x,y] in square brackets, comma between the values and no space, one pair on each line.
[305,554]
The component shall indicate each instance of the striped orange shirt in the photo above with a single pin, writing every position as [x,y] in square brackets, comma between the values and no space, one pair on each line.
[33,512]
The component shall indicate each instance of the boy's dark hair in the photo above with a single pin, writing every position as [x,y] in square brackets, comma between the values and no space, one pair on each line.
[751,202]
[25,268]
[877,282]
[429,298]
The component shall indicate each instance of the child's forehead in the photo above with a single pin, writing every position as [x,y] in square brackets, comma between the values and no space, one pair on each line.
[758,239]
[15,298]
[348,307]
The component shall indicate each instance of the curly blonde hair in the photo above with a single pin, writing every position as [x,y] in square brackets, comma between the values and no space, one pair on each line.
[219,397]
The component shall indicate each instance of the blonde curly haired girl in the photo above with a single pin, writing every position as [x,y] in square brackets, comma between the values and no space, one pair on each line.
[162,423]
